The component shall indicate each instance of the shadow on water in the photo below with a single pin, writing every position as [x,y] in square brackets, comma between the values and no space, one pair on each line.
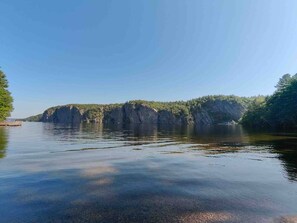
[3,142]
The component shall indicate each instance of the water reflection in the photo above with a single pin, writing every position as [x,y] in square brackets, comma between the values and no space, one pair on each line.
[141,173]
[213,140]
[131,192]
[3,142]
[286,149]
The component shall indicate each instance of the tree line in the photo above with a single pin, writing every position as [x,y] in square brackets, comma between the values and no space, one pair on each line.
[276,111]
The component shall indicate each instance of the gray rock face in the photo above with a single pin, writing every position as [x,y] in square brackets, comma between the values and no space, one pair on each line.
[168,118]
[139,113]
[215,112]
[64,114]
[68,115]
[48,116]
[114,116]
[210,112]
[131,114]
[202,117]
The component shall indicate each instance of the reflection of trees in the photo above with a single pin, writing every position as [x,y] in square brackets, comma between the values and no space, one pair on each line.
[214,139]
[223,139]
[287,153]
[211,139]
[3,142]
[151,132]
[284,145]
[290,163]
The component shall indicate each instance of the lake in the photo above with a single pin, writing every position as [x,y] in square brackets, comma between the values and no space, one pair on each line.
[87,173]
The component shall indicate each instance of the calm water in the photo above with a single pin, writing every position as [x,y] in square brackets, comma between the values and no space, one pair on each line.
[54,173]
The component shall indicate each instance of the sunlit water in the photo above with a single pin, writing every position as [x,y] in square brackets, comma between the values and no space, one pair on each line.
[55,173]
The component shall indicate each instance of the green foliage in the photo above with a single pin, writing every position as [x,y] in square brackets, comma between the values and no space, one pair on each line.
[35,118]
[177,107]
[5,98]
[283,106]
[283,82]
[95,106]
[278,110]
[256,116]
[186,107]
[94,113]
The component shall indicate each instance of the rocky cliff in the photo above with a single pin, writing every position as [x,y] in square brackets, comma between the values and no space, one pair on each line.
[218,112]
[209,110]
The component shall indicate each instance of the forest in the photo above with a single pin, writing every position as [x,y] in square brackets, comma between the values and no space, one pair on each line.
[278,111]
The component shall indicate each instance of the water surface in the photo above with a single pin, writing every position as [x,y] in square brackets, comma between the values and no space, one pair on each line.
[87,173]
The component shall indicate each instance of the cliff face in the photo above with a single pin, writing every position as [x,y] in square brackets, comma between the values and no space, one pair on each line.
[139,113]
[205,112]
[63,114]
[169,118]
[218,112]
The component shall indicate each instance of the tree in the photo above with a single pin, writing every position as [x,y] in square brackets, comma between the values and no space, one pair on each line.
[283,107]
[5,98]
[278,110]
[283,81]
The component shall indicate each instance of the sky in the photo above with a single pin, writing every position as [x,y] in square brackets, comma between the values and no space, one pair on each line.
[108,51]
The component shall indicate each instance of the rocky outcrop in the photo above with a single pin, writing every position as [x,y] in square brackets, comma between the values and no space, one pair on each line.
[63,114]
[140,113]
[94,115]
[48,115]
[217,112]
[209,111]
[114,116]
[169,118]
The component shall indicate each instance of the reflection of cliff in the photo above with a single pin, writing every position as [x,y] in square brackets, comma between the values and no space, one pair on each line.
[217,135]
[3,142]
[213,139]
[187,134]
[221,139]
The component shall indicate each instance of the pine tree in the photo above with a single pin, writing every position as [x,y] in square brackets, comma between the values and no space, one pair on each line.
[283,82]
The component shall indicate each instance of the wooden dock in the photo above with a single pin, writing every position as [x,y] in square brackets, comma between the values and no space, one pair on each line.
[15,123]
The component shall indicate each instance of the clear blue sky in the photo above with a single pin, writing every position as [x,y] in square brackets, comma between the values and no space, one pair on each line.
[59,52]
